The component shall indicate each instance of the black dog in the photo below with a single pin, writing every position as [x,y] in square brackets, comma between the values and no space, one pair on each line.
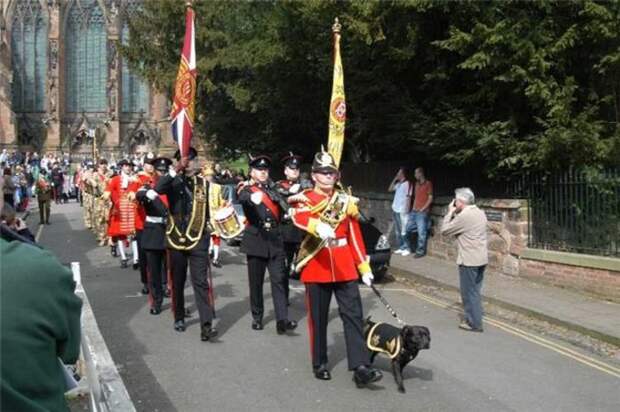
[401,345]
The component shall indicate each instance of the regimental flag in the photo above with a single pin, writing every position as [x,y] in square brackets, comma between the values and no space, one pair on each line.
[185,89]
[337,106]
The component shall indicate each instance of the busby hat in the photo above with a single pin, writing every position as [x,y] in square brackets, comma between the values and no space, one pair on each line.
[292,161]
[324,162]
[161,164]
[259,162]
[191,155]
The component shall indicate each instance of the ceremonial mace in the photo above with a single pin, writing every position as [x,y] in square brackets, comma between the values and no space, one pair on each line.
[386,304]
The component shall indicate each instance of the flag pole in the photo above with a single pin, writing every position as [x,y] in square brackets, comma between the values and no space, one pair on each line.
[337,105]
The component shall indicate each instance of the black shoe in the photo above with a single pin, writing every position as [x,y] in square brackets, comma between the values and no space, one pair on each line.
[179,325]
[124,264]
[167,293]
[207,332]
[283,325]
[145,290]
[322,373]
[156,311]
[217,264]
[419,255]
[136,266]
[257,324]
[113,251]
[364,375]
[48,223]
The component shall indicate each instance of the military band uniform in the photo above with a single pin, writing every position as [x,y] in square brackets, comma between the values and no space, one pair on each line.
[329,266]
[44,197]
[87,195]
[144,180]
[262,243]
[187,236]
[101,209]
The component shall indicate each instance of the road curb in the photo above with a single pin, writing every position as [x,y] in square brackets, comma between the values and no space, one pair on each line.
[511,306]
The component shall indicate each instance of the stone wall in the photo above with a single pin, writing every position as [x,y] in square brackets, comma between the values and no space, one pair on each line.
[507,242]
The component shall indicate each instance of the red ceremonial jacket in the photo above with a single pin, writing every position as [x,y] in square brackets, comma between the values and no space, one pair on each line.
[143,179]
[123,215]
[340,262]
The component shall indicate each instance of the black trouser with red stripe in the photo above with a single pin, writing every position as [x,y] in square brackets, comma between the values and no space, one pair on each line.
[198,261]
[279,285]
[318,297]
[141,258]
[155,263]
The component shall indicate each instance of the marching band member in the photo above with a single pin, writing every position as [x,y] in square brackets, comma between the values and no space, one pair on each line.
[153,237]
[188,240]
[330,258]
[101,206]
[215,202]
[43,190]
[291,186]
[264,209]
[121,191]
[145,177]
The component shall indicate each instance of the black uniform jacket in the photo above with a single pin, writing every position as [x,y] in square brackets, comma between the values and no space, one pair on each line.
[290,232]
[153,234]
[262,236]
[179,191]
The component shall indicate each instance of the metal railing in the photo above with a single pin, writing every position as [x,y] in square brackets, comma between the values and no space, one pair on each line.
[573,211]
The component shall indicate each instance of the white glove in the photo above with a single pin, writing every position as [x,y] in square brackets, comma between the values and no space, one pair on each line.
[325,231]
[256,197]
[294,188]
[172,172]
[151,194]
[367,278]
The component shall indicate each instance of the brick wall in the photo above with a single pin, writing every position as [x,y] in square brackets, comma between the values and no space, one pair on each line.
[507,240]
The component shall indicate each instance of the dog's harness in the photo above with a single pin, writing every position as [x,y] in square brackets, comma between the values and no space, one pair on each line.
[385,338]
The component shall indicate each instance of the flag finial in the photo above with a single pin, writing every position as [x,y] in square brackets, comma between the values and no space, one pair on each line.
[188,3]
[337,26]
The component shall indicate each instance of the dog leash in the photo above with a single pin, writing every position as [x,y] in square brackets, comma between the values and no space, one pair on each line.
[386,304]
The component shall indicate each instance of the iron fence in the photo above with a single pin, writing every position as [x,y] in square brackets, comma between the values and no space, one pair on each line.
[573,211]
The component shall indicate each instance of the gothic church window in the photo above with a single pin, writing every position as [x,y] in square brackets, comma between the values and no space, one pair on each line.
[29,56]
[134,89]
[86,58]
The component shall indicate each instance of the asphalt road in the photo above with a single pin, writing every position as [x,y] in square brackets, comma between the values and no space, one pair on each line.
[260,371]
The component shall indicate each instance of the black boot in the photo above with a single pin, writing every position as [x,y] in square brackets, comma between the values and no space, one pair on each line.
[113,251]
[156,310]
[145,290]
[284,325]
[364,375]
[322,373]
[136,265]
[123,263]
[207,332]
[179,325]
[257,324]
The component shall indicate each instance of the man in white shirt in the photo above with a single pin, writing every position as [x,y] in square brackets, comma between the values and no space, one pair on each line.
[469,225]
[401,186]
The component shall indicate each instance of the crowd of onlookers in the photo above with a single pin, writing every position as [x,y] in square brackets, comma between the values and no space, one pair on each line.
[20,172]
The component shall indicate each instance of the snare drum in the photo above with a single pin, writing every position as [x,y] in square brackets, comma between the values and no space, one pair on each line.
[228,223]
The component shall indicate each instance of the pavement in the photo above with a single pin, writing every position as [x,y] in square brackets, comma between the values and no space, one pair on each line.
[498,370]
[580,312]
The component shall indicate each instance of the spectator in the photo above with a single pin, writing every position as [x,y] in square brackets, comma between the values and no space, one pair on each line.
[418,219]
[10,219]
[469,225]
[39,323]
[44,197]
[57,178]
[9,187]
[401,186]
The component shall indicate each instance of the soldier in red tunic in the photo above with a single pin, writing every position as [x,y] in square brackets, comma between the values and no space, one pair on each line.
[329,259]
[121,191]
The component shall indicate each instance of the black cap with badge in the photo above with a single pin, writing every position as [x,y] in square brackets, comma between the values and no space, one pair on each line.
[260,162]
[292,161]
[149,158]
[123,162]
[161,164]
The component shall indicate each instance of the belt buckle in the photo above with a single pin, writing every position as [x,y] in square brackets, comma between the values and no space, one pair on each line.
[332,243]
[267,226]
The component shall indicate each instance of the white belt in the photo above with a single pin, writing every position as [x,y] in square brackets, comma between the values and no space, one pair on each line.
[337,242]
[155,219]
